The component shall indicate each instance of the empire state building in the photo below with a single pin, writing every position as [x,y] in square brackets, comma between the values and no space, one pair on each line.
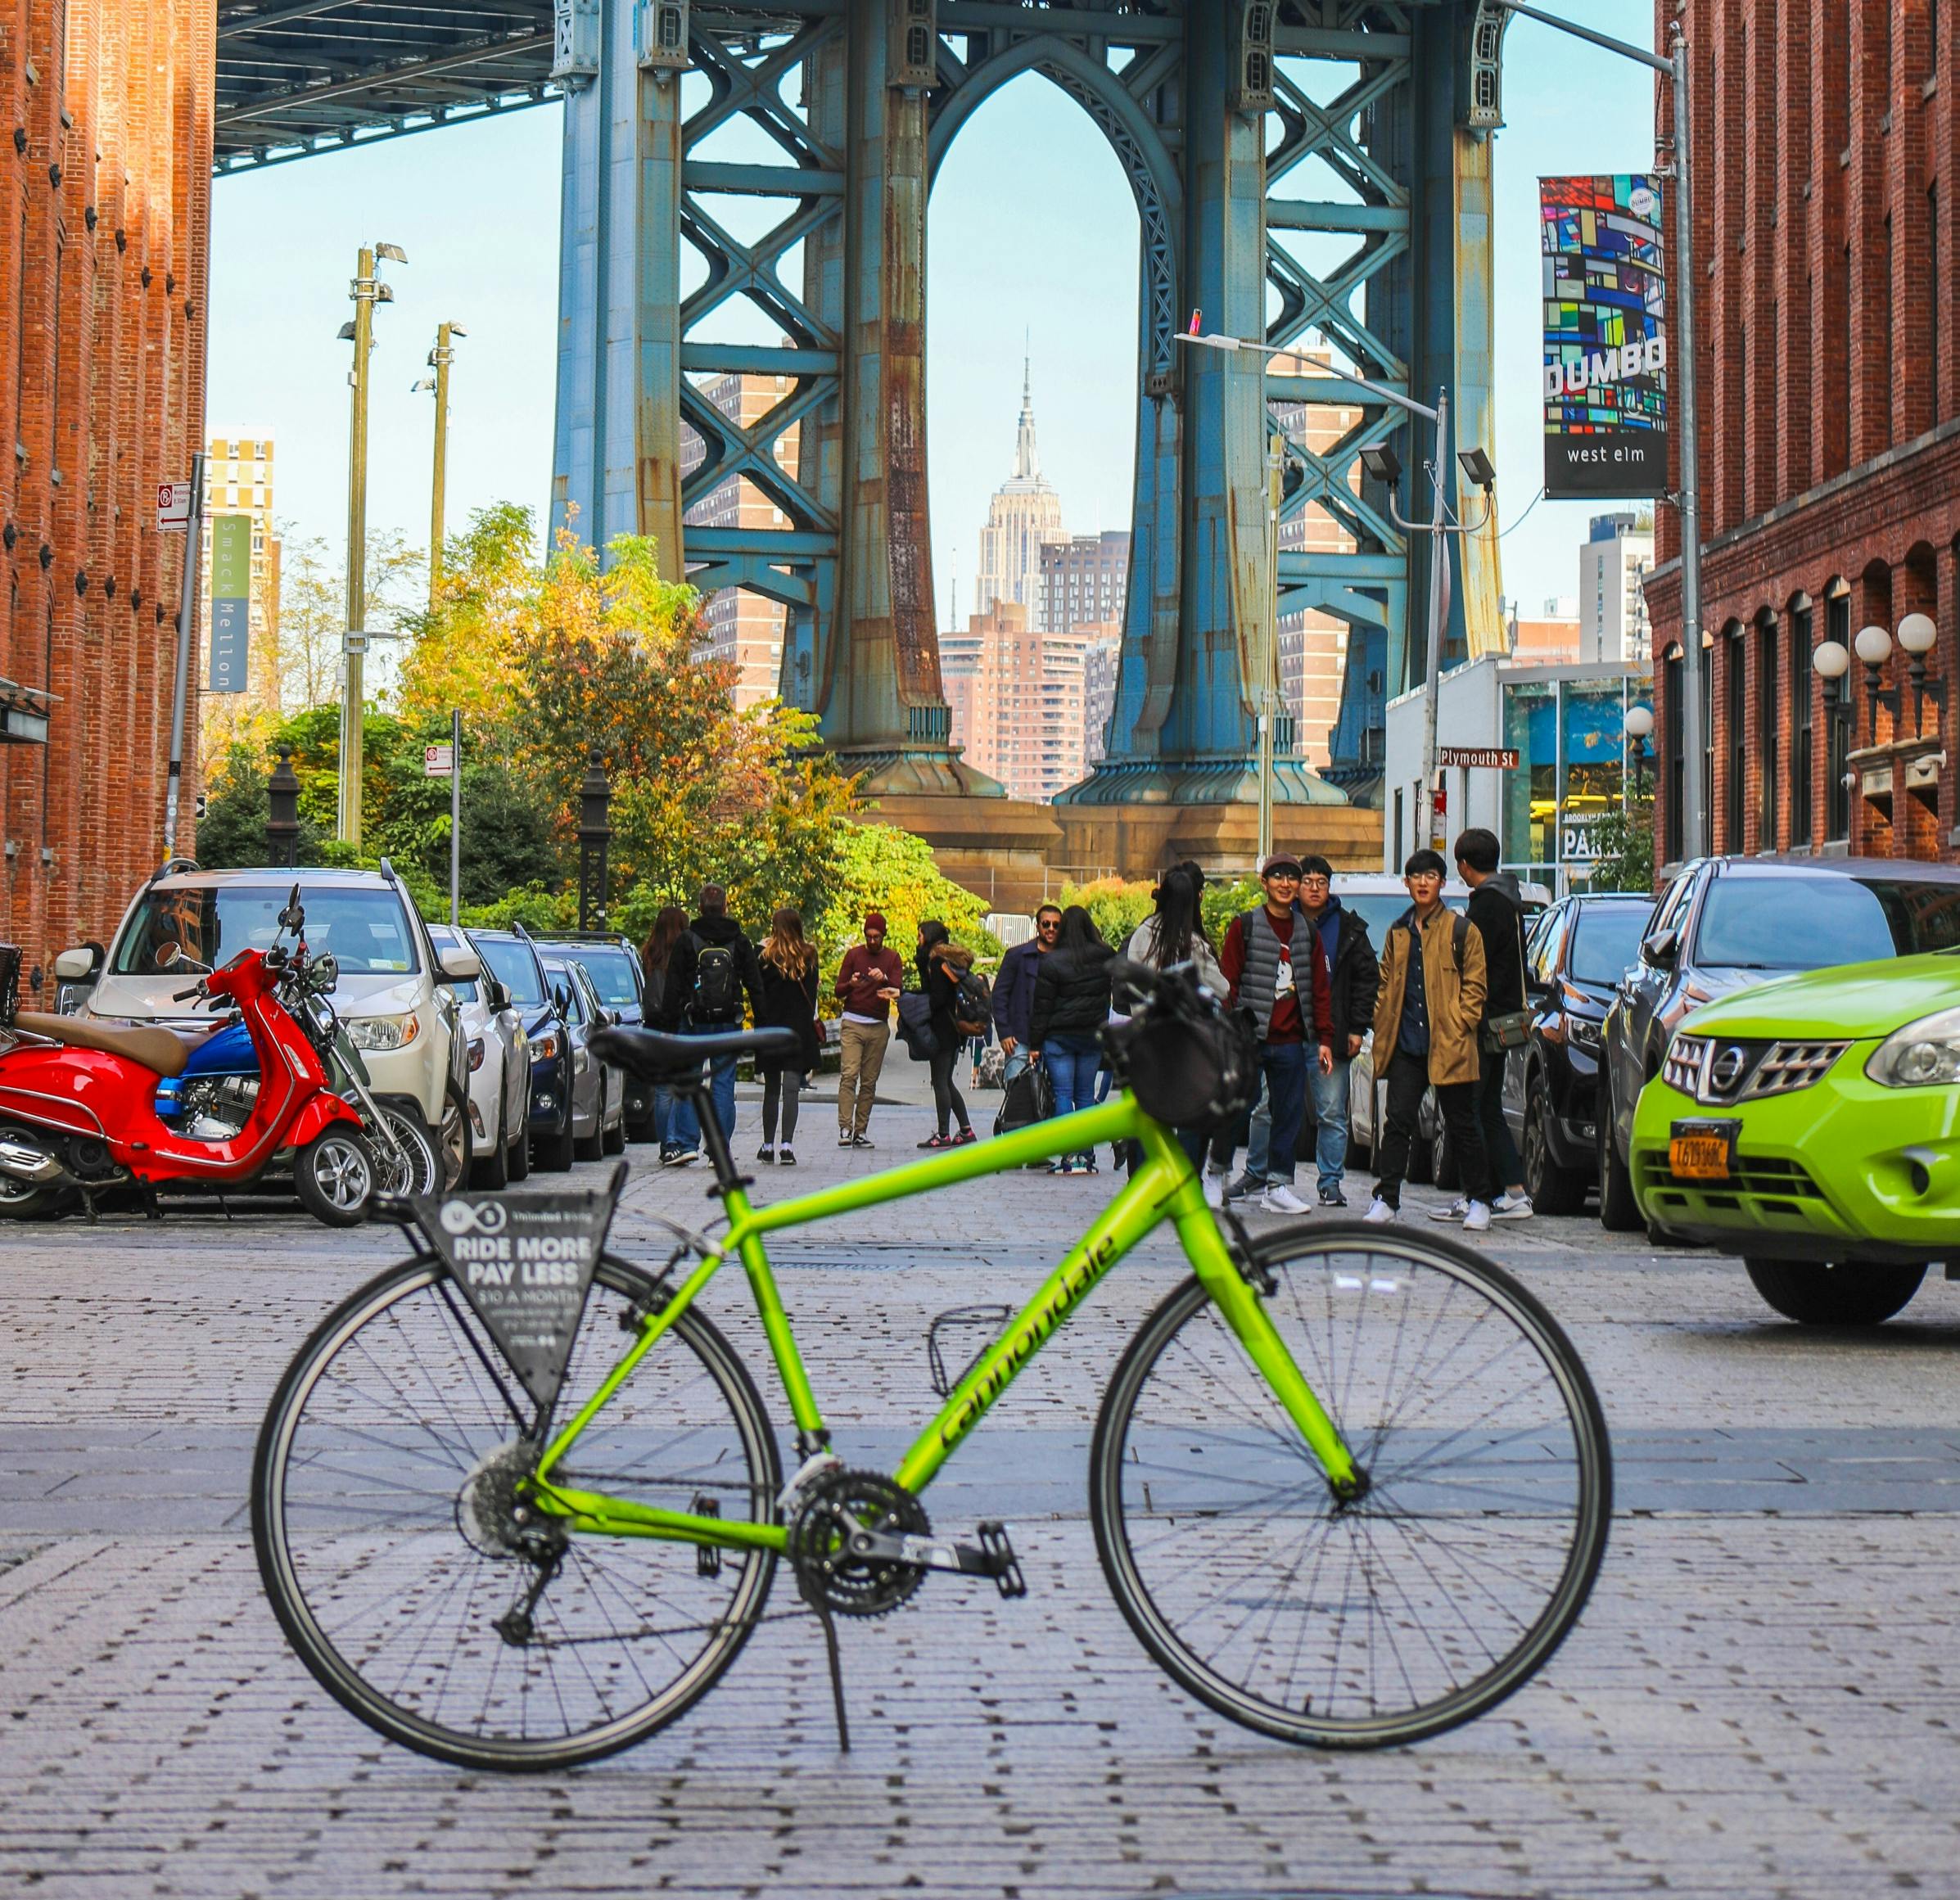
[1025,512]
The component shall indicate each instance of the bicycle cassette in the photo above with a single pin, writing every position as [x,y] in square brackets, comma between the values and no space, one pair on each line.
[836,1507]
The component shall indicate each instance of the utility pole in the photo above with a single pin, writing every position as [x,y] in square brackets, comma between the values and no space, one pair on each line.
[1694,833]
[366,291]
[1269,658]
[186,630]
[439,359]
[1439,573]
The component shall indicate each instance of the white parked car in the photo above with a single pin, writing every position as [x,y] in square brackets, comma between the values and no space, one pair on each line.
[396,996]
[499,1072]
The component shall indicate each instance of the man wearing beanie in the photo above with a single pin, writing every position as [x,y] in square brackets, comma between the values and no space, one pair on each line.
[869,978]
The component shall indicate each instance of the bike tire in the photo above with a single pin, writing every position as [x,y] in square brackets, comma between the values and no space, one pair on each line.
[1195,1472]
[321,1565]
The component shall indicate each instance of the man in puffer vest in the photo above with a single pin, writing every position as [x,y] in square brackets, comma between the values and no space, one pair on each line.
[1258,960]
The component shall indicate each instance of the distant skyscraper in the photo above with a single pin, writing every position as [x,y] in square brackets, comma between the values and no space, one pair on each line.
[1025,514]
[1017,699]
[1102,648]
[1615,561]
[743,628]
[1084,579]
[238,481]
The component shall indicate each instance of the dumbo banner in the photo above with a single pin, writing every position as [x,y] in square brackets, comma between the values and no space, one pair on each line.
[1606,377]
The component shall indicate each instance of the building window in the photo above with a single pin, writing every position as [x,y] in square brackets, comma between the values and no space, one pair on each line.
[1837,797]
[1802,690]
[1936,332]
[1737,711]
[1768,733]
[1676,757]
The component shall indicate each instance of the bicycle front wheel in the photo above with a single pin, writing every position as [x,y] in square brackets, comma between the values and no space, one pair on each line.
[1448,1584]
[403,1567]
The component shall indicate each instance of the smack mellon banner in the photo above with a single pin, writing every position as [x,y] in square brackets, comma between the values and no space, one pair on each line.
[231,602]
[1605,383]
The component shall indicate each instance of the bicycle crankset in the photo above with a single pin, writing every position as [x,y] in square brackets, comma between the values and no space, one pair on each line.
[846,1542]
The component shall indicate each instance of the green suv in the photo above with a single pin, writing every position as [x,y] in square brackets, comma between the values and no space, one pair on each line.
[1813,1127]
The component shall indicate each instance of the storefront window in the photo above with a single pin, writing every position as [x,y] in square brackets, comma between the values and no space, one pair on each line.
[1531,793]
[1594,721]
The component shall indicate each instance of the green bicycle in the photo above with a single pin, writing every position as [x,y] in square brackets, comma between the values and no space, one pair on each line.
[1350,1487]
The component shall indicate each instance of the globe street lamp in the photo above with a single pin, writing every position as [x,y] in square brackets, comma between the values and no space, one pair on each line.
[1638,724]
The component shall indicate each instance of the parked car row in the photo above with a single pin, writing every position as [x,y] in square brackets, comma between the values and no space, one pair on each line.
[480,1040]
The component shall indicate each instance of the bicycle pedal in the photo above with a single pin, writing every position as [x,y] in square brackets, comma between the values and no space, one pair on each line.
[707,1557]
[997,1556]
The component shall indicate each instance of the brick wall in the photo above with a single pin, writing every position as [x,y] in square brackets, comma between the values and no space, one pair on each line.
[104,202]
[1826,135]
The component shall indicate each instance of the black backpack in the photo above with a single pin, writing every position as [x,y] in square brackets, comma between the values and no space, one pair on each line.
[717,985]
[973,1005]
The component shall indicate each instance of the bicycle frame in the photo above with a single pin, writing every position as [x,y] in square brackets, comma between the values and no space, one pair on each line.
[1164,1188]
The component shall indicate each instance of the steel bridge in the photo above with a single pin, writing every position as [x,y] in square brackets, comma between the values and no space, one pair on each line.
[746,191]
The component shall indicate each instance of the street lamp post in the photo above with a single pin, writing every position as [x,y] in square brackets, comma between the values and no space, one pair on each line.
[1638,724]
[366,291]
[1687,498]
[283,812]
[595,837]
[1381,463]
[440,359]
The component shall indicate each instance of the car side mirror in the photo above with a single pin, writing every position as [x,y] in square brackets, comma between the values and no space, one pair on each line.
[78,965]
[1661,950]
[562,997]
[458,965]
[495,996]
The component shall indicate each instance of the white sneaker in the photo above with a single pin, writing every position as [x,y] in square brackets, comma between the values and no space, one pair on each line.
[1279,1198]
[1512,1207]
[1380,1214]
[1454,1211]
[1477,1219]
[1214,1188]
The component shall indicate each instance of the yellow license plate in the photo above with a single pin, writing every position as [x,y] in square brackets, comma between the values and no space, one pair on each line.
[1699,1157]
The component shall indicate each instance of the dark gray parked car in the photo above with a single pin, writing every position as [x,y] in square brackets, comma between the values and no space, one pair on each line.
[599,1090]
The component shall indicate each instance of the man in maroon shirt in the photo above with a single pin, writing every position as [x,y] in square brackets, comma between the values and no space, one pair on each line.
[869,978]
[1258,960]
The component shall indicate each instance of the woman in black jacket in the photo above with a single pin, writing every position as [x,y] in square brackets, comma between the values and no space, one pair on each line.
[1071,1005]
[942,962]
[789,1001]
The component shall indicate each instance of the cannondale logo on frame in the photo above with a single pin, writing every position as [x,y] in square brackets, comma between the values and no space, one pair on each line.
[480,1217]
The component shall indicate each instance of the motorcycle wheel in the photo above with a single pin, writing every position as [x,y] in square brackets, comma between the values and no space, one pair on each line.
[335,1176]
[28,1200]
[417,1168]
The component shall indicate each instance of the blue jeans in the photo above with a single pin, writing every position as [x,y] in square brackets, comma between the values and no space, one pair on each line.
[1285,1065]
[663,1115]
[1329,1095]
[1073,1061]
[686,1125]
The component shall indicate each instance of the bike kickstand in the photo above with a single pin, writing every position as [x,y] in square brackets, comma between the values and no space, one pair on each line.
[835,1659]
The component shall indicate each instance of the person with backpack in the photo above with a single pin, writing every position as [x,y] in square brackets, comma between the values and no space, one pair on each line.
[1427,1015]
[789,1000]
[1071,1005]
[1273,959]
[1353,981]
[713,969]
[657,958]
[869,980]
[1498,918]
[959,1001]
[1171,935]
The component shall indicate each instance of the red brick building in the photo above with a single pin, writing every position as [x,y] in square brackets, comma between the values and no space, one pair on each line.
[1828,158]
[106,173]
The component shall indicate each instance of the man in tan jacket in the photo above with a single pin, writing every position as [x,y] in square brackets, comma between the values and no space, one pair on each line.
[1427,1015]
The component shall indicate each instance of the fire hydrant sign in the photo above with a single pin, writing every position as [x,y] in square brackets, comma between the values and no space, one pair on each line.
[525,1263]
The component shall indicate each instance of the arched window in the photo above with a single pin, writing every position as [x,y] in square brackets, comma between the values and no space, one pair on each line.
[1802,692]
[1676,754]
[1768,728]
[1735,717]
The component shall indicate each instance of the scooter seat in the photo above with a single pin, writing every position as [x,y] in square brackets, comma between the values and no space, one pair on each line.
[136,1042]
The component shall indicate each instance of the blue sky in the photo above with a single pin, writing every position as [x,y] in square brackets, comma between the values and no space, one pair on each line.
[1032,231]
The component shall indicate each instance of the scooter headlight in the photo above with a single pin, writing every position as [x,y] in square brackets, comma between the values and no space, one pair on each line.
[382,1032]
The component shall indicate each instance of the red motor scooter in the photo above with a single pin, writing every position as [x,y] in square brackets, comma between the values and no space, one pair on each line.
[78,1103]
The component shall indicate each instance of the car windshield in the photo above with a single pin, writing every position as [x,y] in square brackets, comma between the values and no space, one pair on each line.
[1380,909]
[610,969]
[1606,941]
[1811,923]
[515,966]
[368,931]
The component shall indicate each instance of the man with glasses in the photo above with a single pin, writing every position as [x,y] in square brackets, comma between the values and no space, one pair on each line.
[1273,959]
[1353,977]
[1015,989]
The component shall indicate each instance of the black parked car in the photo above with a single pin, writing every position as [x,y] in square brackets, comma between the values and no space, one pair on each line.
[1724,924]
[1575,958]
[513,959]
[621,979]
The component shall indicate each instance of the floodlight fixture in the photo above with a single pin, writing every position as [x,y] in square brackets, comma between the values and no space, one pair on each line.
[1477,466]
[1383,464]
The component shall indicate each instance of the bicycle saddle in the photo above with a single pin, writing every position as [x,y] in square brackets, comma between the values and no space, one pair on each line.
[653,1055]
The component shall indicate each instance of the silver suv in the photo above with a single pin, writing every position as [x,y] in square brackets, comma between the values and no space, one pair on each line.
[395,993]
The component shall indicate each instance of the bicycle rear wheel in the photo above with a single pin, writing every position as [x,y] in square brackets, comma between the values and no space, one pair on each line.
[384,1512]
[1448,1585]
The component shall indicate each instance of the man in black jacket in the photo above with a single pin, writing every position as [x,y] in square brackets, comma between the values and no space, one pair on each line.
[713,967]
[1499,918]
[1014,991]
[1353,976]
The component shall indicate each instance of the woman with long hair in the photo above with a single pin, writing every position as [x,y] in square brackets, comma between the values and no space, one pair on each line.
[942,962]
[789,1001]
[1174,934]
[657,956]
[1071,1005]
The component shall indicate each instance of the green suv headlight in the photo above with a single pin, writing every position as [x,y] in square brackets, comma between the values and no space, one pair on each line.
[1925,1054]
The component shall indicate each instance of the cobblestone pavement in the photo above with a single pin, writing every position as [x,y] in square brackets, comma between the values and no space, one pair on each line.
[1759,1701]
